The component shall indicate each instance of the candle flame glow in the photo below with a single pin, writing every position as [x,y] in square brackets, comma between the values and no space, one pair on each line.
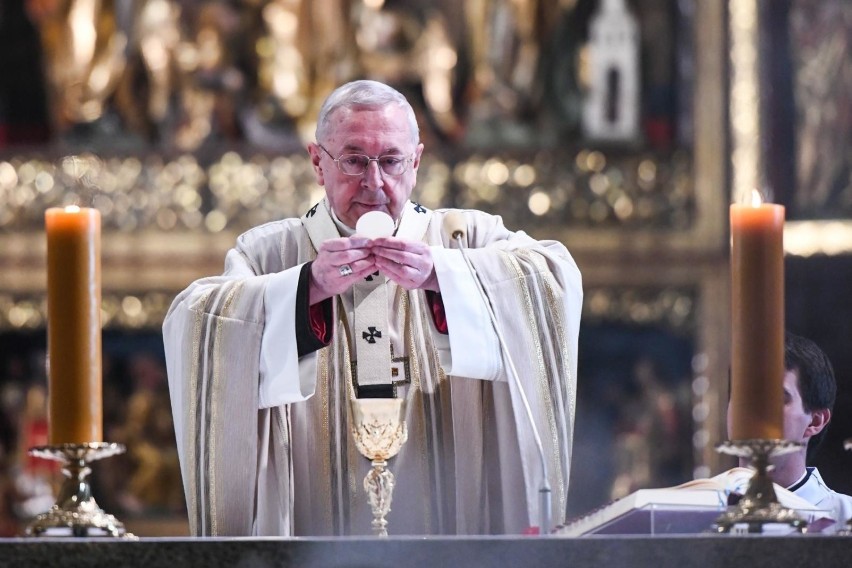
[72,209]
[756,200]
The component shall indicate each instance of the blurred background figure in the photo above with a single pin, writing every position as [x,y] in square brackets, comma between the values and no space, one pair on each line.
[146,479]
[84,59]
[508,44]
[823,86]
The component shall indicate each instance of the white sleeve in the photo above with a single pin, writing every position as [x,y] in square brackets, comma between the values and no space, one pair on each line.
[473,349]
[283,377]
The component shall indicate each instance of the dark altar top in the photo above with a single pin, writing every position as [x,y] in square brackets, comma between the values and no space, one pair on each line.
[705,551]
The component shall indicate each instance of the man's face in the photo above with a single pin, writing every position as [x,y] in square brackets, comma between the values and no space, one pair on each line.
[374,133]
[796,418]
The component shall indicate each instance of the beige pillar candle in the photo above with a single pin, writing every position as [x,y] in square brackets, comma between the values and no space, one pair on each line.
[757,294]
[75,413]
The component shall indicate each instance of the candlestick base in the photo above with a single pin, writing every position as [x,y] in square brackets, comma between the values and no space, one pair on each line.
[75,512]
[759,506]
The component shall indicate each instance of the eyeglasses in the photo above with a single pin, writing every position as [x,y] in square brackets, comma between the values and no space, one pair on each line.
[357,164]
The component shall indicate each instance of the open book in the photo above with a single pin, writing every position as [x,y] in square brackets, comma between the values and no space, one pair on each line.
[689,508]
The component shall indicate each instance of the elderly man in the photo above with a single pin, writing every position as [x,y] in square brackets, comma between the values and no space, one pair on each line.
[264,360]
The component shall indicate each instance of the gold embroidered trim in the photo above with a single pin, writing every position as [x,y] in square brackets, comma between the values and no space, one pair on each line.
[567,387]
[324,366]
[192,498]
[284,459]
[543,371]
[214,387]
[415,398]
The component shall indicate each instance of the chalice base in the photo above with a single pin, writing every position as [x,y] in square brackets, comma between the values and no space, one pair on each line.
[75,513]
[759,506]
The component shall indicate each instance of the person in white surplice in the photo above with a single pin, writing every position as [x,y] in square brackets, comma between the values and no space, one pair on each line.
[810,390]
[264,360]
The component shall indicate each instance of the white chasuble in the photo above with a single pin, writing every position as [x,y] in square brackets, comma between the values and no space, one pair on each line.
[264,435]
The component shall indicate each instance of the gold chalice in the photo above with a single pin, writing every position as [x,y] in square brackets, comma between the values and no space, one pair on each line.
[379,430]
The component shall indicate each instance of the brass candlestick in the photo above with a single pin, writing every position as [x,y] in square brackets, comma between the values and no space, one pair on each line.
[75,512]
[379,430]
[759,506]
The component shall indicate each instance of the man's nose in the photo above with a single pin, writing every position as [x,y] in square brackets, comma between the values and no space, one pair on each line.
[372,177]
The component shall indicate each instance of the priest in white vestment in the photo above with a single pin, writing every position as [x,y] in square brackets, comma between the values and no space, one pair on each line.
[264,360]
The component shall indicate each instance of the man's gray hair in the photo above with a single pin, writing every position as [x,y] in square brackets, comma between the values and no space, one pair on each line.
[363,94]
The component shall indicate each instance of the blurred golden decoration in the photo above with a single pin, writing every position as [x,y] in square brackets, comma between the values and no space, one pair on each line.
[119,311]
[592,189]
[130,192]
[809,238]
[236,192]
[670,307]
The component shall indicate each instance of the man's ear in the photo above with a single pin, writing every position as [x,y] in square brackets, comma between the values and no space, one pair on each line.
[418,152]
[316,156]
[819,420]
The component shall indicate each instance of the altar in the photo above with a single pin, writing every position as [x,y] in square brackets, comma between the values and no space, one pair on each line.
[704,551]
[645,215]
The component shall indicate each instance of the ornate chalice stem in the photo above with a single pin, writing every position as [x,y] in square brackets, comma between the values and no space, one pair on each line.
[379,431]
[379,486]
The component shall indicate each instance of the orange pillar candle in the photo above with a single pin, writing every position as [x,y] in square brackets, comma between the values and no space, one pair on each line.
[74,325]
[757,298]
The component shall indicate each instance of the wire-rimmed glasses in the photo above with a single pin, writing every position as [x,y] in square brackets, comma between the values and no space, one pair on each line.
[357,164]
